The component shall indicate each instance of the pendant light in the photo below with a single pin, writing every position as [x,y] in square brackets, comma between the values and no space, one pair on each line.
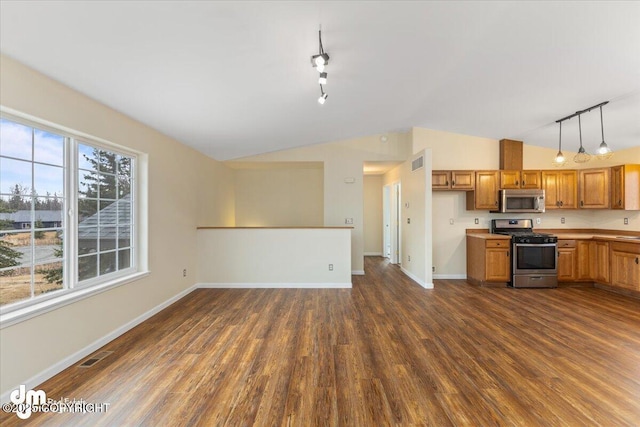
[603,152]
[559,160]
[582,156]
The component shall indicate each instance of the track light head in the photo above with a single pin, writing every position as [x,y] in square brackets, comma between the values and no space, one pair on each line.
[320,60]
[322,79]
[323,96]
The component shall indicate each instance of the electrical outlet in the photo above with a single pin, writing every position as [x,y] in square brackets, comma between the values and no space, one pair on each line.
[477,221]
[408,220]
[538,221]
[184,273]
[433,269]
[451,221]
[348,221]
[626,221]
[330,267]
[562,220]
[409,257]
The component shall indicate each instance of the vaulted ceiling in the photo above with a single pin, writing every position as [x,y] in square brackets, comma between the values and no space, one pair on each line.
[234,79]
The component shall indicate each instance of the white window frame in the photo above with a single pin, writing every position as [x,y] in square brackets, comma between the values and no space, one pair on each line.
[74,290]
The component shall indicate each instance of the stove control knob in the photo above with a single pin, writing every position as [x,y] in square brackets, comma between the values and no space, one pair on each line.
[527,240]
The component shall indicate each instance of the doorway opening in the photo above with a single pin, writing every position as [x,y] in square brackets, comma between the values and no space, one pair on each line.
[391,200]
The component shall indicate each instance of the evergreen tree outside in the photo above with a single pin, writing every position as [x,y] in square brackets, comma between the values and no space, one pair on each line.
[54,275]
[38,234]
[8,257]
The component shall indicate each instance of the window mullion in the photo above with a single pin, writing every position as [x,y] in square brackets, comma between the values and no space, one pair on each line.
[32,240]
[71,207]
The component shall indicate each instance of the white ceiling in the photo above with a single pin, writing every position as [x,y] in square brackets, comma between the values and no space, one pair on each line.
[234,79]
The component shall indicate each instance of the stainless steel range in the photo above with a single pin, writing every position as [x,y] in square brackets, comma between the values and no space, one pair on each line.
[534,255]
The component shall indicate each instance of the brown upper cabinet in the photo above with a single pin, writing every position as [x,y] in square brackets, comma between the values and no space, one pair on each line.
[530,179]
[485,196]
[561,189]
[593,185]
[453,180]
[625,187]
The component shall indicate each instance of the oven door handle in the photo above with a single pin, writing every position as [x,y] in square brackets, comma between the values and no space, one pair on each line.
[537,245]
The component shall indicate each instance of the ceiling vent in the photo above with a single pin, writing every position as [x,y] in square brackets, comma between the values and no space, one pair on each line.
[417,163]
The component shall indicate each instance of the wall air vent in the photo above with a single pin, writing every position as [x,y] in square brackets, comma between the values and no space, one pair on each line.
[417,163]
[94,359]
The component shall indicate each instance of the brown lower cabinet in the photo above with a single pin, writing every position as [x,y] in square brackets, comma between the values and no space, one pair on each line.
[567,261]
[488,261]
[584,261]
[605,262]
[625,265]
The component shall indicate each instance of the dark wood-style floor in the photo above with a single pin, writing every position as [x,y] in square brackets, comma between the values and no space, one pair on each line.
[386,352]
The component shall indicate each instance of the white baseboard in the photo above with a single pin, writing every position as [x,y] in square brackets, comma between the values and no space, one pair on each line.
[450,276]
[372,254]
[34,381]
[416,279]
[357,272]
[274,285]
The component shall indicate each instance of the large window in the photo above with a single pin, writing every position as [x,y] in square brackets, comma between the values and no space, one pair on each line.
[66,213]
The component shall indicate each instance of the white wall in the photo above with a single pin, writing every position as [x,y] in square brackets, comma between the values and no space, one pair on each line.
[175,208]
[286,196]
[373,227]
[343,160]
[274,257]
[416,243]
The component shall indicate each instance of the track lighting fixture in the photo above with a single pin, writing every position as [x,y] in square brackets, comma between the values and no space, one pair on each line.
[323,96]
[603,152]
[319,62]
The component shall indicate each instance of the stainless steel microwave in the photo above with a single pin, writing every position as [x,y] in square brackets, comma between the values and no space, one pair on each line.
[514,201]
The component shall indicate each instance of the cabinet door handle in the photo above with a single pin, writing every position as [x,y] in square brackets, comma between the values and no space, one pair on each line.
[581,203]
[619,202]
[523,183]
[636,260]
[453,183]
[446,183]
[516,182]
[561,203]
[557,202]
[496,203]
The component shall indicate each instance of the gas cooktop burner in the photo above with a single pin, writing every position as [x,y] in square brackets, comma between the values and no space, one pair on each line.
[529,237]
[521,231]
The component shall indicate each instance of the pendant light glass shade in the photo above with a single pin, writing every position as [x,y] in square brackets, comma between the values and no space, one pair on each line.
[582,156]
[603,152]
[559,160]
